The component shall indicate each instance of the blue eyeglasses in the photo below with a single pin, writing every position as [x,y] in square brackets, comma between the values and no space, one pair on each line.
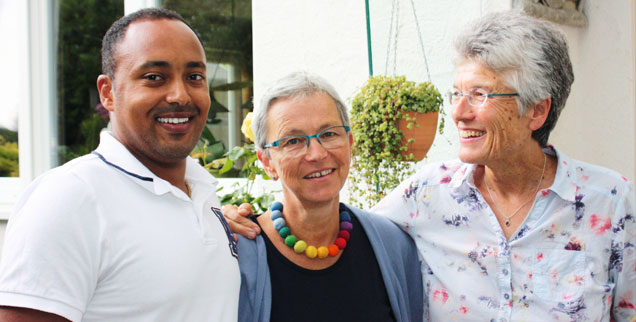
[330,138]
[476,97]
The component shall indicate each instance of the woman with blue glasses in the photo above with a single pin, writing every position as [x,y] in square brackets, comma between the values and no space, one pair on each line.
[319,259]
[514,230]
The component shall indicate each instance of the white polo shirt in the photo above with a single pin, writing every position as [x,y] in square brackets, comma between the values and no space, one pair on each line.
[102,238]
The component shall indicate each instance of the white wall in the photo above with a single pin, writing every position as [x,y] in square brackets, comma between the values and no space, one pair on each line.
[328,37]
[597,125]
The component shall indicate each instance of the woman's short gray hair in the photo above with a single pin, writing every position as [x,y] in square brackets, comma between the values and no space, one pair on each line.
[531,55]
[294,85]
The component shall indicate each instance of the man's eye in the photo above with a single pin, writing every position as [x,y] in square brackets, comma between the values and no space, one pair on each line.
[197,77]
[153,77]
[292,141]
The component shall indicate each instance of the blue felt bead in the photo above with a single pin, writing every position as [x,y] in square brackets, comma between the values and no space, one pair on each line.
[277,206]
[275,214]
[279,223]
[344,216]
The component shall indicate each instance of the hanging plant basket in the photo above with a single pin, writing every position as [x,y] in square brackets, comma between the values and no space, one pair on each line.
[393,121]
[422,136]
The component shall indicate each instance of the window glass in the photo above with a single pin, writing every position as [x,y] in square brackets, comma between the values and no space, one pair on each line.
[81,26]
[225,28]
[10,55]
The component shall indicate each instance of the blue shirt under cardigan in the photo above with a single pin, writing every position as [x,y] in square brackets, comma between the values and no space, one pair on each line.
[394,250]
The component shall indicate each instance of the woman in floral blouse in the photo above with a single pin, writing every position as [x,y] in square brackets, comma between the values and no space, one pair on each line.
[514,230]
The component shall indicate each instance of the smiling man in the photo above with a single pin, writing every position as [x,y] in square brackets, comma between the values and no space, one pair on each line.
[132,231]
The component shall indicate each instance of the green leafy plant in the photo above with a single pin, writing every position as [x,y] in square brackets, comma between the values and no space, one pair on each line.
[9,166]
[242,193]
[245,159]
[378,164]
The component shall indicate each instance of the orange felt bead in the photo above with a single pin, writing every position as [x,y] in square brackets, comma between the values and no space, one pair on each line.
[323,252]
[333,250]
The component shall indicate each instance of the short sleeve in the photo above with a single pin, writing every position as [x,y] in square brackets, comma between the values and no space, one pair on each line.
[50,260]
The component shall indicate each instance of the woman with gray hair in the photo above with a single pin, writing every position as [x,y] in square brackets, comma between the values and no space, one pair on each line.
[514,230]
[319,259]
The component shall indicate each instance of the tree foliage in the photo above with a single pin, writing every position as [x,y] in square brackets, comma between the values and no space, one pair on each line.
[82,24]
[9,166]
[225,28]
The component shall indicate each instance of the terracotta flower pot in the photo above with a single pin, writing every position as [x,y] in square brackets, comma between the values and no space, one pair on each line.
[423,135]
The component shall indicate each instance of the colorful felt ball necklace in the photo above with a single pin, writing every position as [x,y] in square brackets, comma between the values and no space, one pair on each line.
[300,246]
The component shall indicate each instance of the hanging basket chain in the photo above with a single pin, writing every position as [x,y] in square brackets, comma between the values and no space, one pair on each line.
[397,33]
[388,46]
[394,30]
[419,33]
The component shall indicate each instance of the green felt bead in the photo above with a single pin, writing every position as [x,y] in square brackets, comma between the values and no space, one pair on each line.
[284,232]
[290,240]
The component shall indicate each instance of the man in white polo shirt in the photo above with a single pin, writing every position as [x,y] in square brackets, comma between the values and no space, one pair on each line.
[132,231]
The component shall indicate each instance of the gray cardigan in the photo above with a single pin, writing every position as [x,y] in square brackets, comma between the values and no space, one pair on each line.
[394,250]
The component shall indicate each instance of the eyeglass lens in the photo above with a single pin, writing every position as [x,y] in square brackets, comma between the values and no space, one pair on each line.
[331,138]
[475,97]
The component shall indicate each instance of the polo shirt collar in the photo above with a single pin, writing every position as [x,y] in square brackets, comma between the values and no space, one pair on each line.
[115,154]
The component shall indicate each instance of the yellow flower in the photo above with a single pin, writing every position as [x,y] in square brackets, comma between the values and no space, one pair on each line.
[246,128]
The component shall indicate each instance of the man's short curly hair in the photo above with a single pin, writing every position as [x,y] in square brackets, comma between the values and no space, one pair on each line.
[117,31]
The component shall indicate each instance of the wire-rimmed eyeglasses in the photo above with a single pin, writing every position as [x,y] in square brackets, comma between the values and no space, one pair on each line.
[330,138]
[476,97]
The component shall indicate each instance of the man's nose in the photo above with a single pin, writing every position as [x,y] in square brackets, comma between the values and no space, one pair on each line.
[178,93]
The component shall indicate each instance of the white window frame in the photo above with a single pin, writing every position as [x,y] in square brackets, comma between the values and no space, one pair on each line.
[37,132]
[37,112]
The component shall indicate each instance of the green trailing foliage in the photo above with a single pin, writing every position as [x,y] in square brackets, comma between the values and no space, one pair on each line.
[378,166]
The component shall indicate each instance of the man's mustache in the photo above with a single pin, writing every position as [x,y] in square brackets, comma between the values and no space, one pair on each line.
[175,108]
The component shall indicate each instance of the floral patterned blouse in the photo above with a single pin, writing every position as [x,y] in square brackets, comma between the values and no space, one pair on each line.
[572,259]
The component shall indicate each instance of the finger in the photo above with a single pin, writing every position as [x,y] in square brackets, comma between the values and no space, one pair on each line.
[245,210]
[230,212]
[240,224]
[225,209]
[243,229]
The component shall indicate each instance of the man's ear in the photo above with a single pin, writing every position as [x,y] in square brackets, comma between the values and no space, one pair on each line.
[105,89]
[539,113]
[267,163]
